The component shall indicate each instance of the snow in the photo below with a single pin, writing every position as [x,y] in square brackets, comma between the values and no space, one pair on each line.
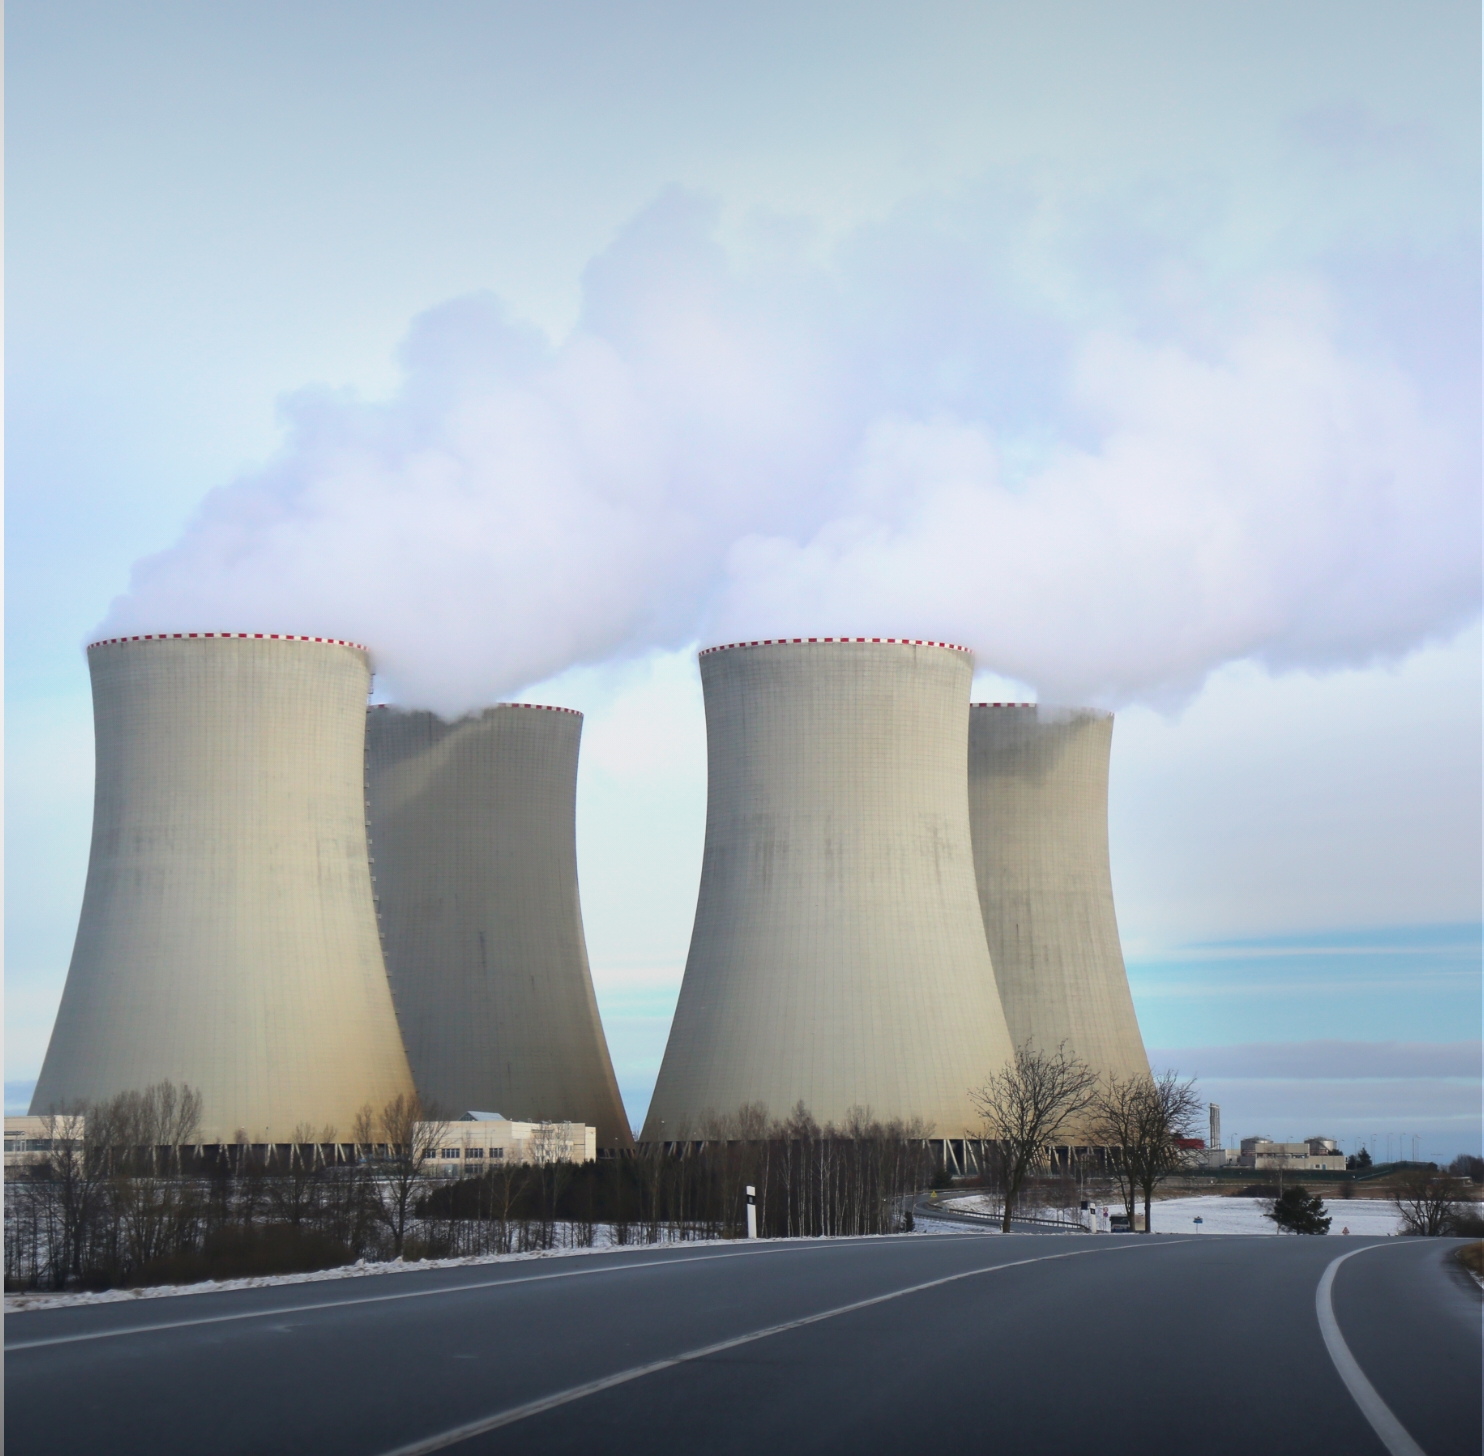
[16,1303]
[971,1203]
[1371,1217]
[1220,1215]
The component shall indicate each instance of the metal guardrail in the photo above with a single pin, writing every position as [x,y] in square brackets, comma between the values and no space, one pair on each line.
[943,1209]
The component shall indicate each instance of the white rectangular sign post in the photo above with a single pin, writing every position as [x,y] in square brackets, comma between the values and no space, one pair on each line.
[751,1211]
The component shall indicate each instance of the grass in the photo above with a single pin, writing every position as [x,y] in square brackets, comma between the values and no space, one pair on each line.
[1471,1256]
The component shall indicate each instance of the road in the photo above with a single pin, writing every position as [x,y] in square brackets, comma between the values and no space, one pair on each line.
[1158,1344]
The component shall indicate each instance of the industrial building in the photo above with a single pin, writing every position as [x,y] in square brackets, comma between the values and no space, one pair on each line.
[30,1139]
[473,833]
[478,1142]
[228,937]
[1313,1155]
[838,956]
[1038,809]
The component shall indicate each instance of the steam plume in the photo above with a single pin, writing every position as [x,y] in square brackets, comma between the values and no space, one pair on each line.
[923,437]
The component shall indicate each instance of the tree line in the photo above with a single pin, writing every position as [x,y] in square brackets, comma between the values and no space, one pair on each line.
[120,1193]
[123,1194]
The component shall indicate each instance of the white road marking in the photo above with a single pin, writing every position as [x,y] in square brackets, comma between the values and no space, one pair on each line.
[780,1247]
[452,1437]
[1391,1431]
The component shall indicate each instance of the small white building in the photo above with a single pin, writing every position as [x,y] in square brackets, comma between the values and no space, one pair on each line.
[477,1141]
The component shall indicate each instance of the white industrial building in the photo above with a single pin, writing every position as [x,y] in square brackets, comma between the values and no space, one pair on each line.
[838,956]
[32,1139]
[473,831]
[480,1141]
[228,937]
[1038,809]
[1313,1155]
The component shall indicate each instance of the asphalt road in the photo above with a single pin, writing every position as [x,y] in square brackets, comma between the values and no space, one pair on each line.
[1002,1344]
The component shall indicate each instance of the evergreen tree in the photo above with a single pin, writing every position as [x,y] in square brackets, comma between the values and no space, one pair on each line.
[1296,1212]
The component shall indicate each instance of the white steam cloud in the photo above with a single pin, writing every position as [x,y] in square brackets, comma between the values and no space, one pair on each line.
[924,438]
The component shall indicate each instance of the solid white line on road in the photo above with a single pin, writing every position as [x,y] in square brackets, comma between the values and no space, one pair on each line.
[452,1437]
[781,1246]
[1393,1435]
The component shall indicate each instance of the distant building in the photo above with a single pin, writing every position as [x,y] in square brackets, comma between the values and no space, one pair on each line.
[29,1139]
[1313,1155]
[478,1141]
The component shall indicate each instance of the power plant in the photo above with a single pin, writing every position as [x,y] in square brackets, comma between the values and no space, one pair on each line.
[897,890]
[228,938]
[473,839]
[1038,808]
[838,956]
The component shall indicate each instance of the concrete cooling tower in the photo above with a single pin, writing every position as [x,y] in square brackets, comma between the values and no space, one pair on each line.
[838,954]
[1038,803]
[473,832]
[228,938]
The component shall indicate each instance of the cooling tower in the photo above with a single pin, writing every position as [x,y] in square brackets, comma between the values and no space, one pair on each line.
[1038,803]
[473,833]
[838,954]
[228,937]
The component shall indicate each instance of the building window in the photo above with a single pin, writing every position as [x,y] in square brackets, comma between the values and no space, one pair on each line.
[497,1152]
[474,1152]
[450,1152]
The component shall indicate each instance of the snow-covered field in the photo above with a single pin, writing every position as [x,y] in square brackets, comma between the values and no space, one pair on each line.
[1219,1215]
[1372,1217]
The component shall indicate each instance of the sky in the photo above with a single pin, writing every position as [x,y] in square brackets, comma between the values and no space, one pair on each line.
[1138,349]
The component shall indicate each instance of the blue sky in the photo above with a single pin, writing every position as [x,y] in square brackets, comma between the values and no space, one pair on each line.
[1138,349]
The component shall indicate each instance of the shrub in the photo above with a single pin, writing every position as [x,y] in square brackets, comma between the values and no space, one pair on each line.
[1467,1223]
[247,1253]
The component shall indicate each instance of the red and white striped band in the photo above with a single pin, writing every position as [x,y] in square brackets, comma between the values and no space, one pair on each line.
[249,636]
[790,641]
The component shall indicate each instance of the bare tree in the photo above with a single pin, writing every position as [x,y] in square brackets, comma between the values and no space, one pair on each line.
[1428,1202]
[294,1191]
[1140,1122]
[76,1167]
[1027,1107]
[410,1135]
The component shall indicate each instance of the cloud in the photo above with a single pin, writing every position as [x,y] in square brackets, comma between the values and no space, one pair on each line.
[1105,468]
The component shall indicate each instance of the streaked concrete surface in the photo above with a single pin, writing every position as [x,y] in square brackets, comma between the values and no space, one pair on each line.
[473,828]
[1038,807]
[838,956]
[228,938]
